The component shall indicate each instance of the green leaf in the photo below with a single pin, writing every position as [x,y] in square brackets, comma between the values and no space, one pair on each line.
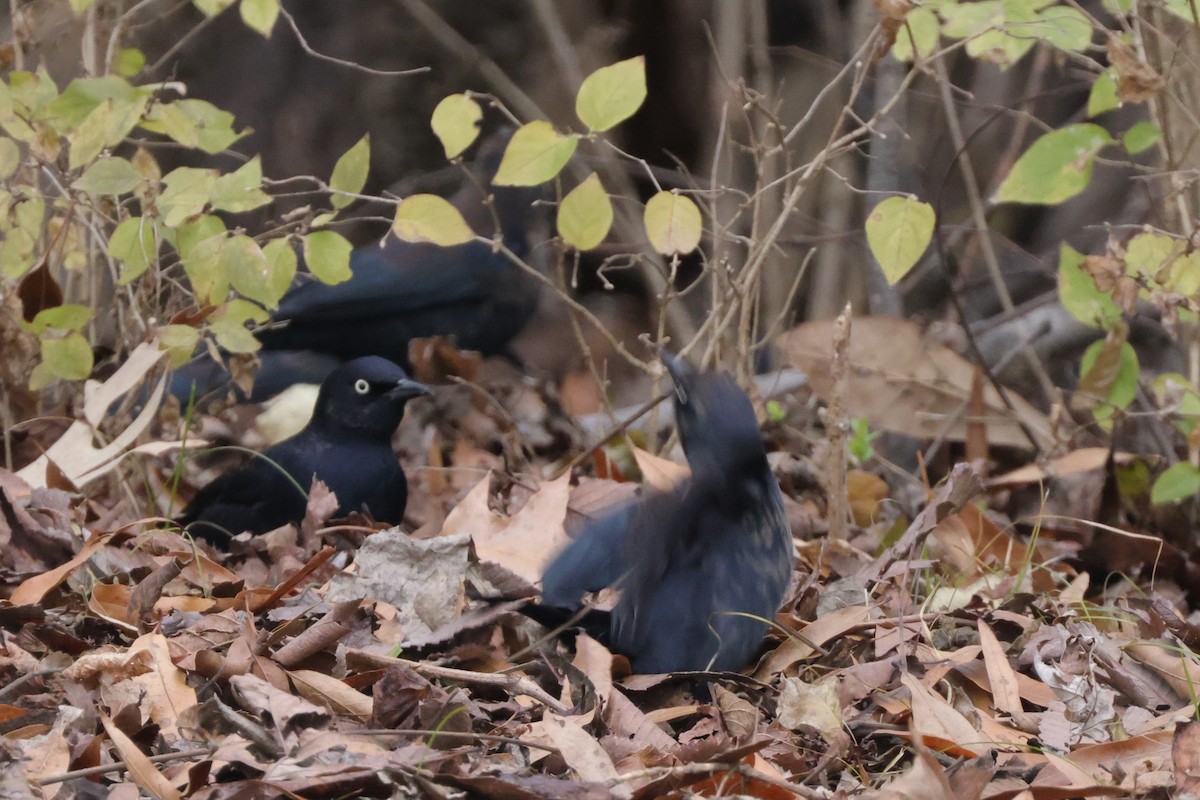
[129,62]
[1141,137]
[1176,394]
[69,357]
[898,232]
[1103,96]
[455,122]
[179,341]
[205,267]
[66,317]
[1164,260]
[187,192]
[198,230]
[535,154]
[87,140]
[80,6]
[327,255]
[1079,295]
[919,33]
[1178,482]
[1061,26]
[282,259]
[260,15]
[585,214]
[429,218]
[350,172]
[133,244]
[193,123]
[228,325]
[210,8]
[83,95]
[10,157]
[612,94]
[672,223]
[109,176]
[249,270]
[240,190]
[1109,374]
[1056,167]
[18,248]
[1184,9]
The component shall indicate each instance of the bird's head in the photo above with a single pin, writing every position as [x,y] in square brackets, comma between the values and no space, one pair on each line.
[366,397]
[716,421]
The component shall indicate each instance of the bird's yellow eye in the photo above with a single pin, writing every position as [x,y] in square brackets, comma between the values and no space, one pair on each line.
[361,386]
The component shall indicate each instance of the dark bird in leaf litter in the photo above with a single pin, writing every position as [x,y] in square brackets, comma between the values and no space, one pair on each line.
[347,445]
[701,568]
[400,291]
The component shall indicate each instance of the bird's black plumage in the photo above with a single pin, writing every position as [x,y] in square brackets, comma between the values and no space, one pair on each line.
[399,291]
[703,567]
[347,444]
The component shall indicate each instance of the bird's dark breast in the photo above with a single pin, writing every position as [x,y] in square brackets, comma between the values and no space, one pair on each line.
[368,476]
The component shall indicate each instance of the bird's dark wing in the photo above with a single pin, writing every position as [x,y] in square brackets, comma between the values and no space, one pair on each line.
[258,497]
[397,278]
[707,581]
[595,559]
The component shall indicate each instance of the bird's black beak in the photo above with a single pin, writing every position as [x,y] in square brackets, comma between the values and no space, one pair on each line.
[408,389]
[680,372]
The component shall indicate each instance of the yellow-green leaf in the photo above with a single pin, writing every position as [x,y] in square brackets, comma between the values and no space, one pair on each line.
[18,246]
[1142,136]
[179,341]
[1180,481]
[129,61]
[193,123]
[1078,293]
[88,139]
[195,231]
[210,8]
[80,6]
[133,244]
[535,154]
[10,157]
[1164,260]
[429,218]
[205,268]
[240,190]
[585,214]
[66,317]
[249,270]
[228,325]
[109,176]
[260,15]
[612,94]
[350,172]
[455,122]
[327,254]
[898,231]
[69,357]
[1103,96]
[187,192]
[918,34]
[672,223]
[1056,167]
[282,259]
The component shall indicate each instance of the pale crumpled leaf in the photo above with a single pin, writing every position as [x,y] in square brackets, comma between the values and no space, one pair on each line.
[422,578]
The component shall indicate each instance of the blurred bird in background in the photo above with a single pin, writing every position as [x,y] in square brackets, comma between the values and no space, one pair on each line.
[400,291]
[702,568]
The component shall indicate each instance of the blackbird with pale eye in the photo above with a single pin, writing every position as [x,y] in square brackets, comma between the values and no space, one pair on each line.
[702,568]
[346,444]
